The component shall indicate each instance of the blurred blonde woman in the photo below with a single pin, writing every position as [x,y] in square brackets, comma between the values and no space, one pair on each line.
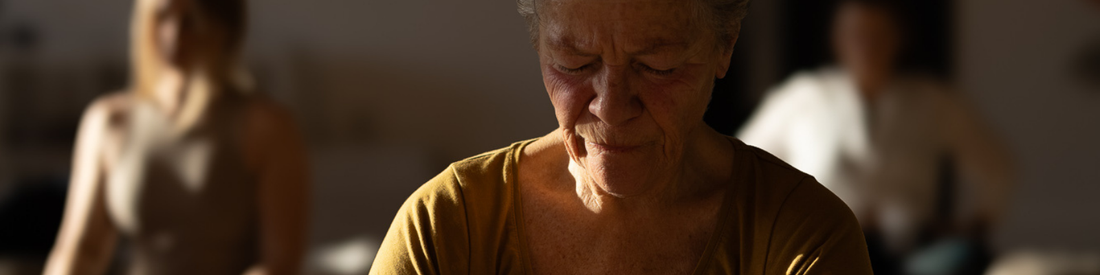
[201,175]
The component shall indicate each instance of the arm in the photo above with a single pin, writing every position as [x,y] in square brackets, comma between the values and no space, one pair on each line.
[982,157]
[815,233]
[86,239]
[277,153]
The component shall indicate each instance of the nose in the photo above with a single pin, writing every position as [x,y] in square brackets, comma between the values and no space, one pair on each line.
[615,103]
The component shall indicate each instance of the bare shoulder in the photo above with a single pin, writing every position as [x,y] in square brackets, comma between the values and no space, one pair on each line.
[269,133]
[108,112]
[102,129]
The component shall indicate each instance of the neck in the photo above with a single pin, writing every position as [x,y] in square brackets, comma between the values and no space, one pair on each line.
[870,91]
[184,96]
[170,89]
[871,84]
[703,169]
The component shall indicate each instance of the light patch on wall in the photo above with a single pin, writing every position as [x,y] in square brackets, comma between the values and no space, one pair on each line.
[351,256]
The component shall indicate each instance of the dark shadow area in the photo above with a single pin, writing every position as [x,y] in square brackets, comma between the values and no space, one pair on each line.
[927,25]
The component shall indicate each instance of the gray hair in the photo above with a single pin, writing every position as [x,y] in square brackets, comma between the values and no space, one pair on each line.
[723,17]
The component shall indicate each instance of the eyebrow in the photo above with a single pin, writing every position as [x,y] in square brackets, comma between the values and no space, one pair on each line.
[653,46]
[568,45]
[658,45]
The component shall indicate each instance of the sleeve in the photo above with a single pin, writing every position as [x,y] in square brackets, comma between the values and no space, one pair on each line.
[815,233]
[429,235]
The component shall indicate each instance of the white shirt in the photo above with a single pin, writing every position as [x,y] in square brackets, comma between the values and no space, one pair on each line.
[880,158]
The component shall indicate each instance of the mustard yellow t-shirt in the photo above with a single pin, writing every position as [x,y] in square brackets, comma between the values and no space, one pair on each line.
[777,221]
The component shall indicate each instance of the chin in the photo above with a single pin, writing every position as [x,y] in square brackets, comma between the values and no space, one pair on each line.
[624,177]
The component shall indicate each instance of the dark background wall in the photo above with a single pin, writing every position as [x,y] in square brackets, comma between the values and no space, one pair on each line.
[389,92]
[928,33]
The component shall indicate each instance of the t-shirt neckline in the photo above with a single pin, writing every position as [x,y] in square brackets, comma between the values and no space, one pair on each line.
[512,170]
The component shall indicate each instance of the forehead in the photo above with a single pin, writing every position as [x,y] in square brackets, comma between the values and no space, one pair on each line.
[633,25]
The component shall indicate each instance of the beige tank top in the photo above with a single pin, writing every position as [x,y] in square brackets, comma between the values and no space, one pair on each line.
[185,201]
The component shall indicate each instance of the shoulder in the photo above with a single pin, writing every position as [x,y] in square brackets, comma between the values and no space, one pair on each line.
[263,116]
[269,139]
[793,193]
[811,83]
[442,220]
[268,128]
[769,168]
[483,169]
[796,89]
[470,183]
[776,188]
[485,166]
[810,202]
[816,233]
[475,179]
[928,89]
[429,232]
[935,98]
[109,109]
[102,127]
[802,220]
[800,95]
[106,115]
[478,184]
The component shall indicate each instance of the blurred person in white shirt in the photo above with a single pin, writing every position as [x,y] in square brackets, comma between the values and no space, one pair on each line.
[877,137]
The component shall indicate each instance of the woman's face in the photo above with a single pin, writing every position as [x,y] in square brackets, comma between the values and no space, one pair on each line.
[629,81]
[866,41]
[184,37]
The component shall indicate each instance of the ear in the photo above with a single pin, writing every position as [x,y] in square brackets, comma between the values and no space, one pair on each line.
[726,54]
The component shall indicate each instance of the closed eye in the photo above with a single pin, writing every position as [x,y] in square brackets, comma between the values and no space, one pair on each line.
[576,70]
[651,70]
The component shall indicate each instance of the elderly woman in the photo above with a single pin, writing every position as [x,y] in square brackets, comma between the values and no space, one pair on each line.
[201,175]
[632,181]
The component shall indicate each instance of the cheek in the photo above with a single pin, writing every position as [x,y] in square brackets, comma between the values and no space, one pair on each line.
[678,101]
[569,95]
[167,34]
